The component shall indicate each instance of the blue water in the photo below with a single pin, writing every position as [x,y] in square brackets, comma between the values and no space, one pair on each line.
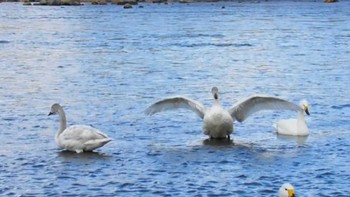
[105,65]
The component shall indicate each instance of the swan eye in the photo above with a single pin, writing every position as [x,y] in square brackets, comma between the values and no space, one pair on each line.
[286,189]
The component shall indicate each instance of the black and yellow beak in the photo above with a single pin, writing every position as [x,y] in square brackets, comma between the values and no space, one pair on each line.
[307,111]
[216,96]
[291,193]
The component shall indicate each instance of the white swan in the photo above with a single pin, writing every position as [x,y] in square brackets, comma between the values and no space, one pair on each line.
[286,190]
[218,122]
[294,127]
[77,138]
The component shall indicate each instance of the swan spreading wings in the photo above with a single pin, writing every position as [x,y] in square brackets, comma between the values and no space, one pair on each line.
[218,122]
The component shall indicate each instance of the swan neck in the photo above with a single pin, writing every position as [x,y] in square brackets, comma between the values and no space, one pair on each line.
[216,102]
[63,121]
[301,115]
[301,118]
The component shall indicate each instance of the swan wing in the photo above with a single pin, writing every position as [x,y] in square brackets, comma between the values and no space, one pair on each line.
[175,103]
[81,138]
[246,107]
[82,133]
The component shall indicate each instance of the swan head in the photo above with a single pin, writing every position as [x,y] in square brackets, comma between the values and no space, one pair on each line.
[305,106]
[215,92]
[286,190]
[54,109]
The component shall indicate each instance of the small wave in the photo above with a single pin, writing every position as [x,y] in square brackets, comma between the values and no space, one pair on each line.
[126,185]
[194,45]
[253,183]
[187,35]
[340,106]
[324,175]
[9,119]
[203,35]
[67,177]
[4,42]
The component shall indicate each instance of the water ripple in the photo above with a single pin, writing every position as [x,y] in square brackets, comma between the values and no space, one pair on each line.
[341,106]
[106,70]
[193,45]
[4,42]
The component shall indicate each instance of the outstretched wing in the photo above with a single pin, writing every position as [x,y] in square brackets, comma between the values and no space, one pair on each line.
[174,103]
[246,107]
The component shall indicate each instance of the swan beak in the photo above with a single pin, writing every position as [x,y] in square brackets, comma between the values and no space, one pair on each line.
[215,91]
[291,193]
[307,111]
[50,114]
[216,96]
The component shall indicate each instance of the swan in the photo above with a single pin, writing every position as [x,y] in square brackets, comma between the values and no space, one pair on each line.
[78,138]
[294,127]
[218,122]
[286,190]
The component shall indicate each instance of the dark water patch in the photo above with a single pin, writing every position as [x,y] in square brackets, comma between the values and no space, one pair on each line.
[202,35]
[4,42]
[10,119]
[184,36]
[42,165]
[126,185]
[219,193]
[341,106]
[242,176]
[300,54]
[338,194]
[253,183]
[324,175]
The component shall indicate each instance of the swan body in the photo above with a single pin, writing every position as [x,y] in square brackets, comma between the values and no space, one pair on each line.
[294,126]
[78,138]
[286,190]
[218,122]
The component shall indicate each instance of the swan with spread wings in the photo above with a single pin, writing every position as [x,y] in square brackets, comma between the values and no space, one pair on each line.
[217,121]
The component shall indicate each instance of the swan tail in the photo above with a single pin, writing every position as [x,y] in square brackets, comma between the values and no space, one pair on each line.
[79,151]
[274,126]
[98,141]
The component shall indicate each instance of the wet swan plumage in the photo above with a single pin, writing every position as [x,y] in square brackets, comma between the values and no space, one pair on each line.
[77,138]
[218,122]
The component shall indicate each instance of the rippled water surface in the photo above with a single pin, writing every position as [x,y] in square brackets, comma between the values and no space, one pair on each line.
[105,65]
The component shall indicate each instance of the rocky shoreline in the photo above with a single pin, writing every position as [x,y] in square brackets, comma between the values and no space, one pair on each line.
[104,2]
[126,3]
[129,3]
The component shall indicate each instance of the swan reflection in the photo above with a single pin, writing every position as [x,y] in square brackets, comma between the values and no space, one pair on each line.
[298,139]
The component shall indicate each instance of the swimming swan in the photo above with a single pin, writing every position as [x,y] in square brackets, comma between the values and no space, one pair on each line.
[294,127]
[77,138]
[218,122]
[286,190]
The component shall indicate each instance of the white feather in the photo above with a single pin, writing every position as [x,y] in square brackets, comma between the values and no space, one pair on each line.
[294,126]
[77,138]
[248,106]
[175,103]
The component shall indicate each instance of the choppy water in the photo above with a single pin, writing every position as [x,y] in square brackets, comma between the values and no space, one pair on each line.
[105,65]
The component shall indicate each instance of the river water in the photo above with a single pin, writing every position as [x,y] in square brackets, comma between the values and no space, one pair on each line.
[106,64]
